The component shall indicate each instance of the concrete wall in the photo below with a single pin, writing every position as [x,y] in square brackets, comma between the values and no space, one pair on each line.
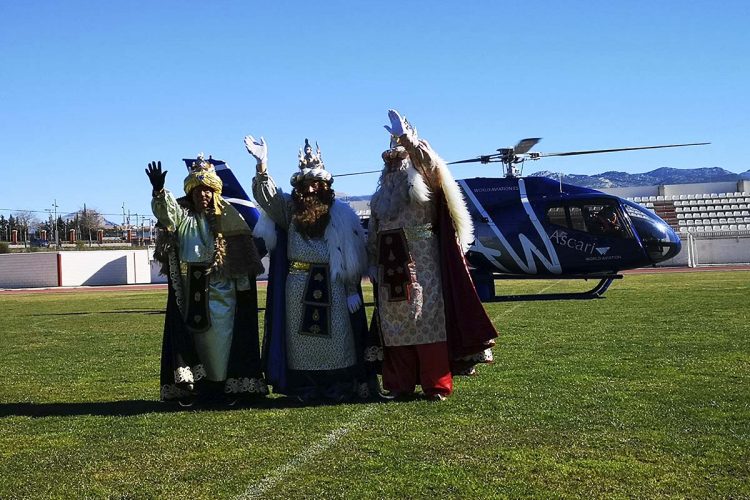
[28,270]
[630,192]
[105,267]
[677,189]
[729,250]
[709,187]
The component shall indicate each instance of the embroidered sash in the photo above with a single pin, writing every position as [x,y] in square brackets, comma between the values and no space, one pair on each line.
[196,314]
[393,263]
[316,302]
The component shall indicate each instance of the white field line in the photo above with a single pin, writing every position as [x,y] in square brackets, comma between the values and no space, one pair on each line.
[259,489]
[519,304]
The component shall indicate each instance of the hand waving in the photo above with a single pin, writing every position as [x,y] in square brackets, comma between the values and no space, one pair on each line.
[398,124]
[258,149]
[156,176]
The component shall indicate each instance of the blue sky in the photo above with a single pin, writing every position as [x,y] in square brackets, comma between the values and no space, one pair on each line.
[92,91]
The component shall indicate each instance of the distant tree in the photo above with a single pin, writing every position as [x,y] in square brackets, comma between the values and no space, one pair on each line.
[25,220]
[61,228]
[3,228]
[89,221]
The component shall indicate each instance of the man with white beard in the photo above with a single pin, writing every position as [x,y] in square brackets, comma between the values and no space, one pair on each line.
[431,321]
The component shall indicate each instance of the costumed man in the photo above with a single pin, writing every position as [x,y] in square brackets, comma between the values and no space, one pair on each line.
[210,349]
[431,321]
[315,325]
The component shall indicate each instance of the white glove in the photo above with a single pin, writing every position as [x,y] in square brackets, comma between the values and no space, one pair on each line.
[353,302]
[400,126]
[258,149]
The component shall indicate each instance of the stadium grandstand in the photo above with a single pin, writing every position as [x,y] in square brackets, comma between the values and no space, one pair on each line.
[702,212]
[716,207]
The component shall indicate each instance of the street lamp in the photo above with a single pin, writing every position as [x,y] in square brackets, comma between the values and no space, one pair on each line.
[54,227]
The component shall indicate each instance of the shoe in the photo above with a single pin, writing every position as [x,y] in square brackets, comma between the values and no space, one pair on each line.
[397,396]
[435,397]
[186,402]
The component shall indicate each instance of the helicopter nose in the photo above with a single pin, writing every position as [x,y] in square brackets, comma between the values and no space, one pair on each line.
[674,246]
[660,241]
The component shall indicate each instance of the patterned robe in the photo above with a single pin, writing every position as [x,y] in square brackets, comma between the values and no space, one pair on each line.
[227,350]
[340,349]
[421,318]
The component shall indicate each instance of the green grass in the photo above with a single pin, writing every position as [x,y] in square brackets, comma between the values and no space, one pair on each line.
[643,394]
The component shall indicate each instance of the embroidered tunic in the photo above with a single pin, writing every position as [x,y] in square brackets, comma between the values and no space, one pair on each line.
[197,246]
[420,319]
[304,351]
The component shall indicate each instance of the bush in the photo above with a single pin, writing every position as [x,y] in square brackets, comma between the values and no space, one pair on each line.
[80,245]
[4,247]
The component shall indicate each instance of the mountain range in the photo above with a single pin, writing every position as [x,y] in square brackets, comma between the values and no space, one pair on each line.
[664,175]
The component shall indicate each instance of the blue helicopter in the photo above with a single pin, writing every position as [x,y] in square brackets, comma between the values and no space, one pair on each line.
[536,227]
[539,228]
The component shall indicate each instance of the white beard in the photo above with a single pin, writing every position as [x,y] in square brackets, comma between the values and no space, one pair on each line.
[396,189]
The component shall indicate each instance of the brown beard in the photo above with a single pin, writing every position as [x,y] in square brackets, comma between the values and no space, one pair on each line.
[311,212]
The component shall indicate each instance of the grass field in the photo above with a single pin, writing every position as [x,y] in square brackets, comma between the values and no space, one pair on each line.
[643,394]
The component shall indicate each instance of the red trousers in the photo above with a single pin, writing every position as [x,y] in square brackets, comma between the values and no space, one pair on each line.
[426,364]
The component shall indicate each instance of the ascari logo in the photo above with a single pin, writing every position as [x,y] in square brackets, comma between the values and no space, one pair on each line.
[562,238]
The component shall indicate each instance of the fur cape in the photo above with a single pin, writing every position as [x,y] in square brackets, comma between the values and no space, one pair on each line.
[344,237]
[421,192]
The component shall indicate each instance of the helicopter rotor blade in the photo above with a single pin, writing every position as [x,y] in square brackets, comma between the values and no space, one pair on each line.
[524,145]
[594,151]
[473,160]
[359,173]
[479,159]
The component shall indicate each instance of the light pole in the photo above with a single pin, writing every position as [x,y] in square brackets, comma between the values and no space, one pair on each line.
[57,236]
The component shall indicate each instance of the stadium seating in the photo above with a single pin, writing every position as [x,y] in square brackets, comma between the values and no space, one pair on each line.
[701,212]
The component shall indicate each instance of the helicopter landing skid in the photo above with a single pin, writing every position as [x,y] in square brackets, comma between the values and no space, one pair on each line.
[596,292]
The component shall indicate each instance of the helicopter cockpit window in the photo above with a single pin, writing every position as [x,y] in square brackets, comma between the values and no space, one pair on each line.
[556,215]
[577,221]
[601,218]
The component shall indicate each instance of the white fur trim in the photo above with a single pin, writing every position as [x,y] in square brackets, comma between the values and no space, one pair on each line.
[456,206]
[418,189]
[344,237]
[265,229]
[454,198]
[346,244]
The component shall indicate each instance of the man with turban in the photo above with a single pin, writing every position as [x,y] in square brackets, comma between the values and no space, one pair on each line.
[210,349]
[315,323]
[431,321]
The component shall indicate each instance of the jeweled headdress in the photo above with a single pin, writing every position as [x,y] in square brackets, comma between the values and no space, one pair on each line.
[311,166]
[203,173]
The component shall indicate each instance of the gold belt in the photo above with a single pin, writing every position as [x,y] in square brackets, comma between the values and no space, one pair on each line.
[420,232]
[296,265]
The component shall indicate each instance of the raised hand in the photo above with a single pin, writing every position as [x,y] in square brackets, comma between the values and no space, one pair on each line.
[397,123]
[257,148]
[156,176]
[400,125]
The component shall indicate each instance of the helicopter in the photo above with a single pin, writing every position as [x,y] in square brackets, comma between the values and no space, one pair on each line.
[540,228]
[537,227]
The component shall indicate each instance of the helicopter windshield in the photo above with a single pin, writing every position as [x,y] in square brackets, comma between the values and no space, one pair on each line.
[659,240]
